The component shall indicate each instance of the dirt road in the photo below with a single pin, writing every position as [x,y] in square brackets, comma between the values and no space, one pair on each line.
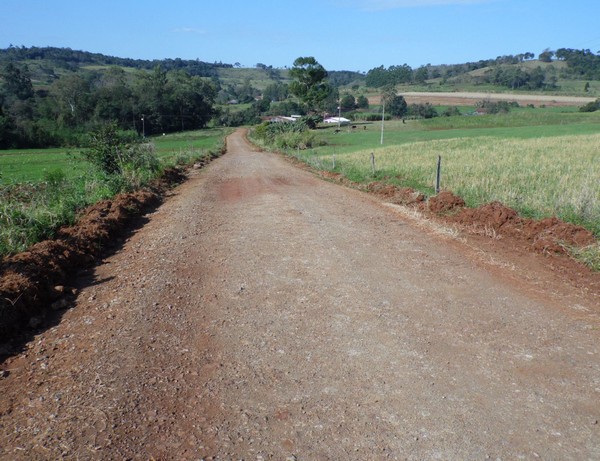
[266,314]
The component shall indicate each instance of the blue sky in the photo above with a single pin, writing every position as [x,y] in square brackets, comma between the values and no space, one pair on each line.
[341,34]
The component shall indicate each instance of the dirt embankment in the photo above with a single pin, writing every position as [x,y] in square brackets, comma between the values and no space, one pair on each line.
[497,223]
[35,282]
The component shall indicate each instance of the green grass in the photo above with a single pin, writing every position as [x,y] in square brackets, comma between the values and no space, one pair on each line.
[41,190]
[521,123]
[541,162]
[32,165]
[23,165]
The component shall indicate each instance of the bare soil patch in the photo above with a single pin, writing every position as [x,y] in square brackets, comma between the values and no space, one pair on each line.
[468,99]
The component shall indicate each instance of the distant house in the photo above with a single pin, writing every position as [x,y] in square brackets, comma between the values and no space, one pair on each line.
[282,119]
[337,120]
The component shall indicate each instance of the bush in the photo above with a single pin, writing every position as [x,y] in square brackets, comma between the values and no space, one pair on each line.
[591,106]
[451,111]
[120,156]
[496,107]
[422,111]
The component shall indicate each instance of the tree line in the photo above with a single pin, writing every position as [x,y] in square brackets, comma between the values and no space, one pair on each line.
[503,70]
[77,102]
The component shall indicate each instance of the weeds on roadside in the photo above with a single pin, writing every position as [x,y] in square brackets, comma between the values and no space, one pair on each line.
[589,255]
[34,211]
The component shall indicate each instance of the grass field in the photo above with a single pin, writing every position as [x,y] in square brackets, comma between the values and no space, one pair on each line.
[41,190]
[32,165]
[541,162]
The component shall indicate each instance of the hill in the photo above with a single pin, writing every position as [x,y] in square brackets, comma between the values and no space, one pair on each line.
[54,96]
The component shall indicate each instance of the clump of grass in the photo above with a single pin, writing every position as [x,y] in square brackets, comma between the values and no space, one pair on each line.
[589,255]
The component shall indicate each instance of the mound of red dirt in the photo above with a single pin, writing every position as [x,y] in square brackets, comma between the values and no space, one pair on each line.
[444,202]
[549,235]
[491,215]
[394,194]
[28,280]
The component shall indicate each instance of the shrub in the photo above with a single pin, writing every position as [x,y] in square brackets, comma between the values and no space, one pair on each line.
[496,107]
[422,111]
[120,154]
[591,106]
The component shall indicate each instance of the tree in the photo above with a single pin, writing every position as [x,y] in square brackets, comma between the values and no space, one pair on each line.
[276,91]
[397,106]
[546,55]
[17,81]
[309,83]
[72,95]
[421,74]
[362,102]
[348,102]
[388,92]
[191,101]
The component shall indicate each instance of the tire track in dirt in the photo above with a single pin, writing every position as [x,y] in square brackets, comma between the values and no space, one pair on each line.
[266,314]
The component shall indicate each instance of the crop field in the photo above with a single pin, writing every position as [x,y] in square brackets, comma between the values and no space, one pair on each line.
[543,165]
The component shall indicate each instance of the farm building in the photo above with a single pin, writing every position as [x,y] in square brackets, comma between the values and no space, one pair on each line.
[337,120]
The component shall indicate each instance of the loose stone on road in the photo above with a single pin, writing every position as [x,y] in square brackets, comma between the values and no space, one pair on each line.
[264,313]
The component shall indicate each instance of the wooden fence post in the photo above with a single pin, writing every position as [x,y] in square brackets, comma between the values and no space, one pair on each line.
[373,162]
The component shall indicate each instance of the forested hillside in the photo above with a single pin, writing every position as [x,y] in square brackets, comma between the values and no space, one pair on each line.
[514,72]
[54,96]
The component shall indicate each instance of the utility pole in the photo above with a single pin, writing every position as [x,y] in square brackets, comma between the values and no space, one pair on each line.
[382,118]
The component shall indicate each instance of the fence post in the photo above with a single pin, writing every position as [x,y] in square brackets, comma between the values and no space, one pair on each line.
[438,175]
[334,161]
[373,162]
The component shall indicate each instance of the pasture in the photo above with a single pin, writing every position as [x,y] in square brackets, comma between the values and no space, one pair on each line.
[541,162]
[33,165]
[41,190]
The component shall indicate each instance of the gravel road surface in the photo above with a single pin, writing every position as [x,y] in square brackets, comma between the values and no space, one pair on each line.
[263,313]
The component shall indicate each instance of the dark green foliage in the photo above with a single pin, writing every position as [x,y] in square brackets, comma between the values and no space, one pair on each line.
[422,111]
[496,107]
[394,75]
[276,91]
[450,111]
[309,84]
[77,102]
[546,55]
[591,106]
[66,58]
[421,75]
[348,102]
[581,63]
[286,108]
[17,81]
[396,106]
[517,78]
[115,153]
[339,78]
[362,102]
[310,121]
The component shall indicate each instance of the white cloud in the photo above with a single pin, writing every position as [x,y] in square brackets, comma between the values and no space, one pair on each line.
[189,30]
[395,4]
